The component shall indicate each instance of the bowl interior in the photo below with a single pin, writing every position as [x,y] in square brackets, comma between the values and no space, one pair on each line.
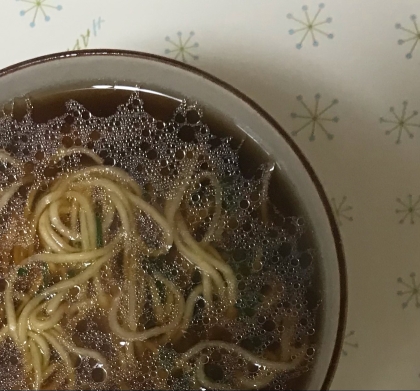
[150,72]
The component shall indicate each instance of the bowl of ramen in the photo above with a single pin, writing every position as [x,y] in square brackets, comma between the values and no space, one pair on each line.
[158,230]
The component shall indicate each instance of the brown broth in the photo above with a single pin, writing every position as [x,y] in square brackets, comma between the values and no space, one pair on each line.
[284,208]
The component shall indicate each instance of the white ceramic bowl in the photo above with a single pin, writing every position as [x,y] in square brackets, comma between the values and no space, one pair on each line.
[180,80]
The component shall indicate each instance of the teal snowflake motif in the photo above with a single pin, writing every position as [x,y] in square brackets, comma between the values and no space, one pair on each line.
[315,117]
[409,209]
[182,49]
[348,344]
[401,122]
[413,36]
[38,7]
[311,26]
[411,292]
[341,210]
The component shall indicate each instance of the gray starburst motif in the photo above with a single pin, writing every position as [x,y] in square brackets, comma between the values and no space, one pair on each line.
[411,291]
[341,210]
[348,343]
[182,49]
[311,26]
[409,210]
[401,123]
[37,8]
[412,37]
[315,117]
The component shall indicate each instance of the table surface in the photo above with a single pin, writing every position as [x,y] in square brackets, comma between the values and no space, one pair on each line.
[343,78]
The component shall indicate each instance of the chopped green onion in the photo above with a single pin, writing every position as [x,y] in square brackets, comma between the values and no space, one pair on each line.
[46,273]
[71,273]
[161,289]
[99,236]
[248,305]
[167,357]
[46,277]
[22,272]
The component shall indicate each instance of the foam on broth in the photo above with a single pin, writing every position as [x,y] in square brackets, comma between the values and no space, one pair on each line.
[261,234]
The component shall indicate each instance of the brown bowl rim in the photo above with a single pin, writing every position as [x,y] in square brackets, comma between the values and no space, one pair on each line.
[305,162]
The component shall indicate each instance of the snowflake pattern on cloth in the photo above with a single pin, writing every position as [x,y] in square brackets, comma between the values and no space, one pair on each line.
[182,48]
[38,9]
[411,292]
[408,209]
[314,117]
[412,34]
[311,27]
[342,210]
[401,124]
[348,343]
